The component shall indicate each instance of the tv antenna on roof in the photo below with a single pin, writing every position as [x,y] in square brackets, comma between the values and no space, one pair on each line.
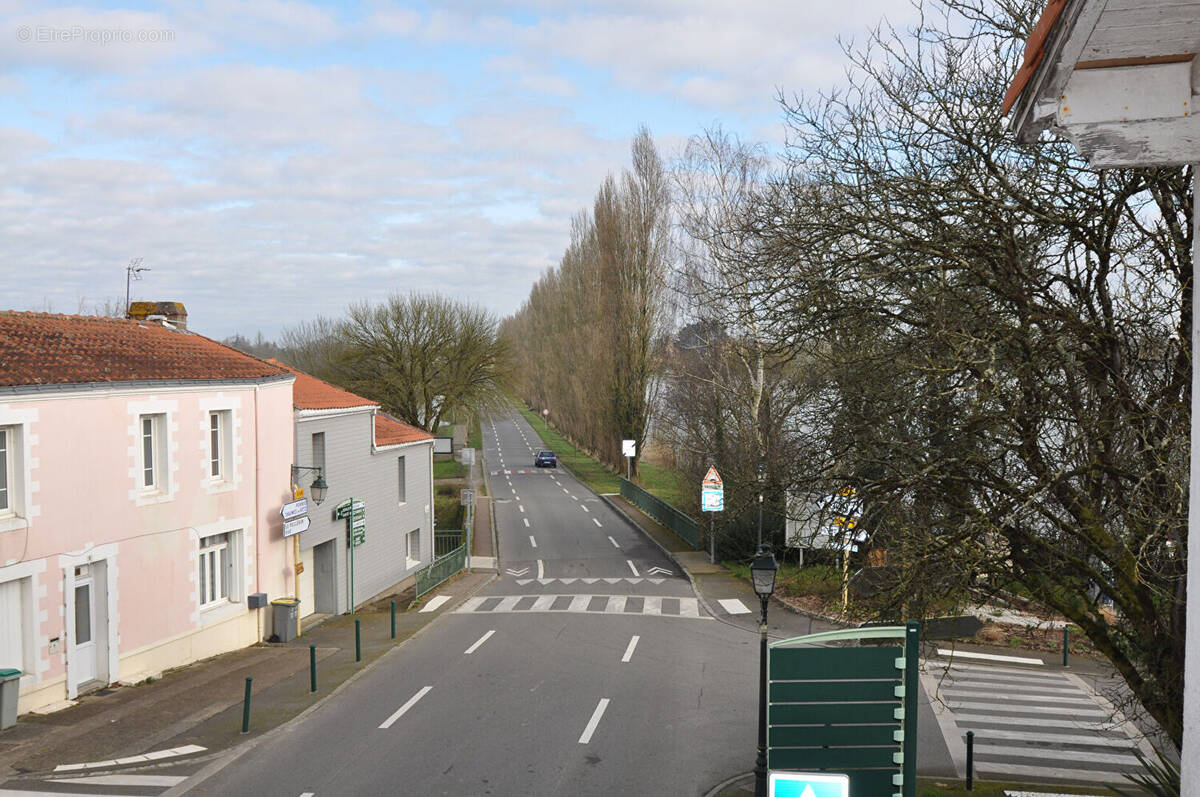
[132,271]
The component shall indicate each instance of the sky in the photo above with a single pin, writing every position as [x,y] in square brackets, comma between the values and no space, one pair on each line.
[272,161]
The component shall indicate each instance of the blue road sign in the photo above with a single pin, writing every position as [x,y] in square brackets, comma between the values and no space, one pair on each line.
[807,784]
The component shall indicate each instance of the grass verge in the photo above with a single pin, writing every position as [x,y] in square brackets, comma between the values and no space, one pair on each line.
[449,469]
[948,787]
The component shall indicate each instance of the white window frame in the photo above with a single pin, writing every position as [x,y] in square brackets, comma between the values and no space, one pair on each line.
[158,452]
[10,483]
[402,480]
[209,564]
[220,439]
[412,540]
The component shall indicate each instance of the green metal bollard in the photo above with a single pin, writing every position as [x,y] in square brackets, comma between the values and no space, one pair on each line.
[357,639]
[970,760]
[393,619]
[312,668]
[1066,643]
[246,707]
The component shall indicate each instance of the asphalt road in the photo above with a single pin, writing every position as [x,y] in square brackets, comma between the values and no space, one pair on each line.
[587,667]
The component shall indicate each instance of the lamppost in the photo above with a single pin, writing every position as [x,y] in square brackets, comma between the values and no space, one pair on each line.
[761,472]
[318,487]
[762,575]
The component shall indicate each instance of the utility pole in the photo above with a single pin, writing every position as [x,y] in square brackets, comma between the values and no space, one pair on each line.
[134,268]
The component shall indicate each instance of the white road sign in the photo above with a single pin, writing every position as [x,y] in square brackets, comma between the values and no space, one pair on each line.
[629,448]
[296,525]
[294,509]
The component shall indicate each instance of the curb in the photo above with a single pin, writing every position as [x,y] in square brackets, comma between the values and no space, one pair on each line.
[223,758]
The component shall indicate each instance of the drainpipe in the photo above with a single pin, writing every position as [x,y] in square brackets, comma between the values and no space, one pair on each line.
[1190,754]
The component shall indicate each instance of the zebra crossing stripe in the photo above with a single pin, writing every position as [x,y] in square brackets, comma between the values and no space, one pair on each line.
[652,605]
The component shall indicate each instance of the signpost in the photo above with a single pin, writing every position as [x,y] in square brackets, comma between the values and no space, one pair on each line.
[712,499]
[354,512]
[629,451]
[296,525]
[294,509]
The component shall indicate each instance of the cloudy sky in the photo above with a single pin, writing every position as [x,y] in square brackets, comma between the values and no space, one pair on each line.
[274,160]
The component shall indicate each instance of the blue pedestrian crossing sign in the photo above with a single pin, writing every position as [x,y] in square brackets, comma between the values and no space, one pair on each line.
[807,784]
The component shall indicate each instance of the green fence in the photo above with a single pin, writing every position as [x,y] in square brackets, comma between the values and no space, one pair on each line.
[445,542]
[441,569]
[686,528]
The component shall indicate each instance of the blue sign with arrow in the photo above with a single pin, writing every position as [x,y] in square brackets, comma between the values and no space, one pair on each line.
[807,784]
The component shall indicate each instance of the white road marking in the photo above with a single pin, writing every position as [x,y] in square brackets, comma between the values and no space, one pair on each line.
[585,509]
[521,507]
[412,701]
[532,541]
[155,755]
[629,650]
[575,497]
[594,721]
[614,542]
[597,522]
[733,606]
[479,642]
[127,780]
[435,603]
[526,522]
[631,567]
[541,572]
[988,657]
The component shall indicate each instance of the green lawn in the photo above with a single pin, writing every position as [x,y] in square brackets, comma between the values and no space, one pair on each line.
[449,469]
[669,485]
[949,787]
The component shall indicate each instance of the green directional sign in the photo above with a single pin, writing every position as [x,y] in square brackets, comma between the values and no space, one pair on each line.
[807,784]
[354,511]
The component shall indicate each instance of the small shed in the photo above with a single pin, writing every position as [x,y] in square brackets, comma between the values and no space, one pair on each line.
[1121,80]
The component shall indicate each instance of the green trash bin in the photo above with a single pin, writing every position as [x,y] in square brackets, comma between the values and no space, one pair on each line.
[10,692]
[285,615]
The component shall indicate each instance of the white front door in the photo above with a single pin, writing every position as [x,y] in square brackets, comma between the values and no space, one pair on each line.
[83,662]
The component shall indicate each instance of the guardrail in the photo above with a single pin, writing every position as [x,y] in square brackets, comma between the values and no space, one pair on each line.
[445,542]
[440,570]
[687,529]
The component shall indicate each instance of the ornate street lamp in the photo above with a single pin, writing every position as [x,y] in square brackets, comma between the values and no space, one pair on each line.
[317,489]
[762,576]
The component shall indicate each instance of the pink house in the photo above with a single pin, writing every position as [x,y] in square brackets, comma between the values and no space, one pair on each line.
[142,470]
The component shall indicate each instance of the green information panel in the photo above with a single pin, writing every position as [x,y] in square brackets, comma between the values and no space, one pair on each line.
[849,711]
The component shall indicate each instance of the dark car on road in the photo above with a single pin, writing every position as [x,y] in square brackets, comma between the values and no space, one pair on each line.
[545,459]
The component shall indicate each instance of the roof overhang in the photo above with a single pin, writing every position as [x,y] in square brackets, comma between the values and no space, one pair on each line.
[1120,81]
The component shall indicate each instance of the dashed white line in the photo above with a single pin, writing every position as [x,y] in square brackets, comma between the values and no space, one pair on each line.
[584,508]
[614,542]
[532,541]
[412,701]
[594,721]
[629,650]
[521,507]
[541,570]
[597,522]
[479,642]
[526,522]
[631,567]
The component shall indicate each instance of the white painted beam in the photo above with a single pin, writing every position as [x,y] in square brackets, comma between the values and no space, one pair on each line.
[1126,94]
[1190,755]
[1160,142]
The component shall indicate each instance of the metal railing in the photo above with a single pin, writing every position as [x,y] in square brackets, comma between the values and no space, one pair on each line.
[440,570]
[683,526]
[445,542]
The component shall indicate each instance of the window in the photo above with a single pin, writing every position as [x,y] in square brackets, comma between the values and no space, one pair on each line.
[216,573]
[403,481]
[6,468]
[219,443]
[14,621]
[318,450]
[412,545]
[153,448]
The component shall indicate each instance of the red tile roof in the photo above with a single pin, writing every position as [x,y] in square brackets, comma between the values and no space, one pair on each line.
[1034,52]
[50,349]
[310,393]
[390,432]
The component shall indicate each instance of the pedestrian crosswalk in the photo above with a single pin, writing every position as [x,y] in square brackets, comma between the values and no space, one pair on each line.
[1031,724]
[545,582]
[131,784]
[588,604]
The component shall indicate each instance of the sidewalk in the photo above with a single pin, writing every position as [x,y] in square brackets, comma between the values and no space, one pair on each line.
[201,704]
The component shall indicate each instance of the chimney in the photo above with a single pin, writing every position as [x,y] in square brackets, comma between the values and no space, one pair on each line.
[174,313]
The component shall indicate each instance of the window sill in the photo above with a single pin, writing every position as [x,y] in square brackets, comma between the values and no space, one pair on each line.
[219,612]
[149,497]
[13,523]
[219,486]
[409,564]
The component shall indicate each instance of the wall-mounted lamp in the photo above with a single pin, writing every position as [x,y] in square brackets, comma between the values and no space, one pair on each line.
[318,488]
